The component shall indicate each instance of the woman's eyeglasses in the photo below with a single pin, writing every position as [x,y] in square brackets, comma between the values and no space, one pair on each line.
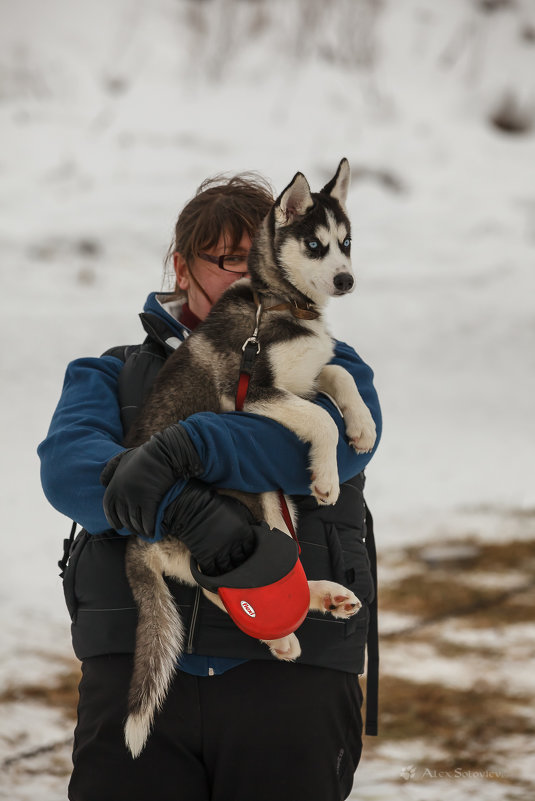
[235,263]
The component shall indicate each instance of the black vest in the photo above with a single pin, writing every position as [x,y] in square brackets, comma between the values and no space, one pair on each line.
[333,546]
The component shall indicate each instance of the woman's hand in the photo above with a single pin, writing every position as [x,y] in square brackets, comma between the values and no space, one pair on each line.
[138,479]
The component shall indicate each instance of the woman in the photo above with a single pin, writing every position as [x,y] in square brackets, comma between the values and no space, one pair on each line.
[237,725]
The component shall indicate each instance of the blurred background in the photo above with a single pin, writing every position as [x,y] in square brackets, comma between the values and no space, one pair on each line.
[111,115]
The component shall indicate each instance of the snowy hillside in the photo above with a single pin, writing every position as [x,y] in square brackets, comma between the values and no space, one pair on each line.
[111,115]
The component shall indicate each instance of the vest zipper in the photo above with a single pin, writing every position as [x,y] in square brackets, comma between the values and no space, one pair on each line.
[193,623]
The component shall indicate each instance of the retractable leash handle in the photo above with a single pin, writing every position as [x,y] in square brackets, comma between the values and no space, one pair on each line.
[267,596]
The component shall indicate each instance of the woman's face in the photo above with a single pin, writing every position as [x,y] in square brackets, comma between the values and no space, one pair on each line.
[211,278]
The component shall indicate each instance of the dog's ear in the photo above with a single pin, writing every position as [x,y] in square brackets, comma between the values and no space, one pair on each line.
[338,186]
[294,202]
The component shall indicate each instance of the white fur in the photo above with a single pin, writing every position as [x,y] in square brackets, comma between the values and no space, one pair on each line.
[286,649]
[297,363]
[227,403]
[272,510]
[136,731]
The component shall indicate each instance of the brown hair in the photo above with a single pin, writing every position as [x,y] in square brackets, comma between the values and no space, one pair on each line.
[233,206]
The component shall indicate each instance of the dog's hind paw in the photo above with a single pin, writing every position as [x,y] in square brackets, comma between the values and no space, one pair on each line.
[287,649]
[344,604]
[327,596]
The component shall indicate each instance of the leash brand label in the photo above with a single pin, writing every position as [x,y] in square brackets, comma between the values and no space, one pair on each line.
[248,609]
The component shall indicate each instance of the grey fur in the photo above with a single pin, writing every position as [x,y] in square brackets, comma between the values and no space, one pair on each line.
[202,375]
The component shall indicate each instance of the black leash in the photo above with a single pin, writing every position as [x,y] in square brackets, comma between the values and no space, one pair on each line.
[67,545]
[372,678]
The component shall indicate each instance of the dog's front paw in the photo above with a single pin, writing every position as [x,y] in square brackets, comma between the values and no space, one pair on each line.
[287,649]
[362,433]
[325,485]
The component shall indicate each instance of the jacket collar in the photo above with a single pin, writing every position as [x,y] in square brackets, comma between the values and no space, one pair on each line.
[160,325]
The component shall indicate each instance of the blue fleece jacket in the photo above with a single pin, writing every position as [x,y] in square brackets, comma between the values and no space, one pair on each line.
[238,450]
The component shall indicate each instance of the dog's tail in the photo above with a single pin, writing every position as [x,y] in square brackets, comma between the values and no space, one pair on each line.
[159,642]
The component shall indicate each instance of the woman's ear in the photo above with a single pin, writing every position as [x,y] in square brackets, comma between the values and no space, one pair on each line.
[181,272]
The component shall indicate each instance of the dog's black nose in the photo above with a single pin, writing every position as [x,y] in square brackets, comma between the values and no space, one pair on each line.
[343,282]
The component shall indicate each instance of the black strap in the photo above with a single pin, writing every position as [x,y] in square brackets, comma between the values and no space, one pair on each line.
[67,545]
[248,359]
[372,679]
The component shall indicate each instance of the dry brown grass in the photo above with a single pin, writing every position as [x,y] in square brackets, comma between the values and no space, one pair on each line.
[468,725]
[461,719]
[60,693]
[430,596]
[453,589]
[463,724]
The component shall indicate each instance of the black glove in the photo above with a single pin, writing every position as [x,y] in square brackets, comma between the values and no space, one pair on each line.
[217,529]
[138,479]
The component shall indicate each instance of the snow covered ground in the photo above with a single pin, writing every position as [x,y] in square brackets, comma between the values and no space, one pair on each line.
[111,115]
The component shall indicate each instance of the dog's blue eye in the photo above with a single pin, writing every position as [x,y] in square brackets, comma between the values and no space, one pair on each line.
[313,244]
[347,242]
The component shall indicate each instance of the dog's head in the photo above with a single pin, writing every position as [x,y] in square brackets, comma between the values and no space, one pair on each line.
[312,236]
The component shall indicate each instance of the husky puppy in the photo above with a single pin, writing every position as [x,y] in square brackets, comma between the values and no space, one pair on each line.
[299,258]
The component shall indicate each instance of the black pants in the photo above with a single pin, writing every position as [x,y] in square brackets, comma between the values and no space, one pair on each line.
[260,731]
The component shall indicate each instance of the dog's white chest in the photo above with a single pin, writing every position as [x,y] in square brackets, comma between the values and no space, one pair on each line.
[297,363]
